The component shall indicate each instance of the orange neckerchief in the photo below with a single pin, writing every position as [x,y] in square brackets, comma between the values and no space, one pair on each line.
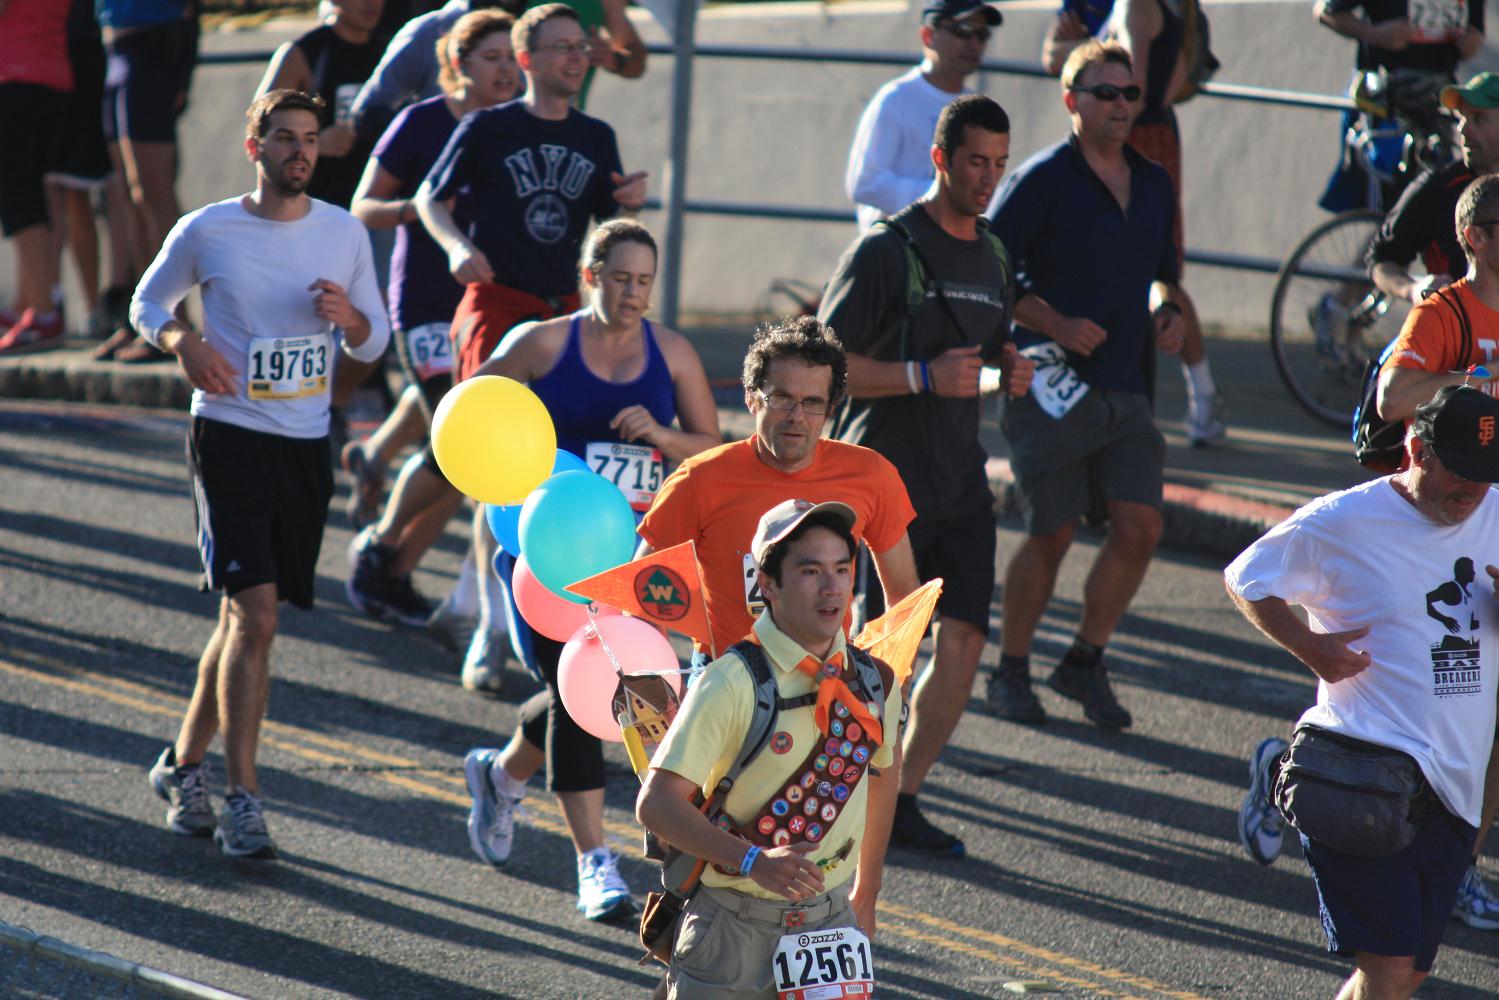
[831,688]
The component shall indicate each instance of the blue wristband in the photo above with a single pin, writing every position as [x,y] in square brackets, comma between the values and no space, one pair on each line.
[749,860]
[926,377]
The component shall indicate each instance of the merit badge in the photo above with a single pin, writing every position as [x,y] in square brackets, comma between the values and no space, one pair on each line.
[781,742]
[724,822]
[836,766]
[845,748]
[780,807]
[809,779]
[830,670]
[855,731]
[810,806]
[840,793]
[840,710]
[829,813]
[824,788]
[831,747]
[821,763]
[851,774]
[814,831]
[781,838]
[835,728]
[794,794]
[796,824]
[767,825]
[861,754]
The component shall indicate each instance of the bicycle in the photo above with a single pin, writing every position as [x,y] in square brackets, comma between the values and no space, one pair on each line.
[1327,318]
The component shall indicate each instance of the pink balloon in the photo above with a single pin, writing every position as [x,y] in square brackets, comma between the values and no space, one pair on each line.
[554,617]
[586,677]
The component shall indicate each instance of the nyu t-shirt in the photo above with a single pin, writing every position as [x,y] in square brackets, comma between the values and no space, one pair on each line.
[422,289]
[1367,557]
[529,187]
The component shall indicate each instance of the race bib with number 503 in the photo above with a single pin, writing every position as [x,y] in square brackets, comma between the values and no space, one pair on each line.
[281,368]
[824,965]
[636,469]
[1055,386]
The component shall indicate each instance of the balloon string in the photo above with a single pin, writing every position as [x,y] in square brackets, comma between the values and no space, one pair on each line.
[599,635]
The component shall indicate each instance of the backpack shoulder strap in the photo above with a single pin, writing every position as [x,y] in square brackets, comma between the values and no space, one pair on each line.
[917,270]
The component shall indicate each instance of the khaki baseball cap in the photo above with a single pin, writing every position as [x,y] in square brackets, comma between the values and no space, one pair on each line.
[782,519]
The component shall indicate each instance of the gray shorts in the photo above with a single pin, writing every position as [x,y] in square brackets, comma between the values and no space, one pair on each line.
[726,941]
[1104,448]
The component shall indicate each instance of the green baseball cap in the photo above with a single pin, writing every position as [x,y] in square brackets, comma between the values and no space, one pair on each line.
[1480,92]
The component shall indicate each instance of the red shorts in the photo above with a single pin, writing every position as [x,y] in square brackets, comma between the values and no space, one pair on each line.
[1159,141]
[488,312]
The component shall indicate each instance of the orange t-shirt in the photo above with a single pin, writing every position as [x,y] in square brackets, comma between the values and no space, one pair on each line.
[1432,338]
[716,498]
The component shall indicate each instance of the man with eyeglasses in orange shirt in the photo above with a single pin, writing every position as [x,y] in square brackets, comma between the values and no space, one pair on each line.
[890,164]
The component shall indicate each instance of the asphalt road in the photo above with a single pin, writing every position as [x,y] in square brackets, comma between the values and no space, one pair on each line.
[1099,865]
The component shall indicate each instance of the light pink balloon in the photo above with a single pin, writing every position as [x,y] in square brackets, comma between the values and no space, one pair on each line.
[586,677]
[554,617]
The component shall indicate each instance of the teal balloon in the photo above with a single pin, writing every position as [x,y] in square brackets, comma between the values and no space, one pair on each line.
[504,522]
[574,525]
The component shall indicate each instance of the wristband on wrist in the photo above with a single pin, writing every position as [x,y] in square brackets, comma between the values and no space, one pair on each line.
[926,376]
[911,378]
[749,860]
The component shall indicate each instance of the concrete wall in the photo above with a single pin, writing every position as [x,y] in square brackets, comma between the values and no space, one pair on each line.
[780,133]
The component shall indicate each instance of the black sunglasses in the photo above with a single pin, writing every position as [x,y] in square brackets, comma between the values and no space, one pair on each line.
[1109,92]
[963,32]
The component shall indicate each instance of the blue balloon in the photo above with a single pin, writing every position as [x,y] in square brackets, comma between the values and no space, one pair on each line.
[575,525]
[504,522]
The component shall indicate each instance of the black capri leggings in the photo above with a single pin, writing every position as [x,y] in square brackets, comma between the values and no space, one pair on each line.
[575,759]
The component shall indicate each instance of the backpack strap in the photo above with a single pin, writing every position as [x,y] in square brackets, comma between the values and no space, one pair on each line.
[920,276]
[1456,302]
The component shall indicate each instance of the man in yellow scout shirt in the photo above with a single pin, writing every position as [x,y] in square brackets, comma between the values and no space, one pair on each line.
[774,911]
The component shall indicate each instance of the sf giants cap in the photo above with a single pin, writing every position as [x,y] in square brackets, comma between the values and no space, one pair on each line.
[782,519]
[1480,92]
[1461,424]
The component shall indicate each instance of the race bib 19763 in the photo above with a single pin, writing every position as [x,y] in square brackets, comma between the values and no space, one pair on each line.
[281,368]
[824,965]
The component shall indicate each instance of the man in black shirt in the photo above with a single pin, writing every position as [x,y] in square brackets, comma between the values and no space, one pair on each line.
[1421,224]
[914,381]
[1397,35]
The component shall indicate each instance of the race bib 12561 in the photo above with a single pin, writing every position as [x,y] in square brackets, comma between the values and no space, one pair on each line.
[824,965]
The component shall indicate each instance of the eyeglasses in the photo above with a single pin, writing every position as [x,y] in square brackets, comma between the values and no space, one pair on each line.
[963,32]
[812,406]
[1109,92]
[564,48]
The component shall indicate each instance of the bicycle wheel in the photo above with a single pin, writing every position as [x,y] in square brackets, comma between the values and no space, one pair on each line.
[1327,319]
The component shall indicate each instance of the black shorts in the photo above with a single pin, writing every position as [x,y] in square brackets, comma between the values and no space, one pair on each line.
[146,80]
[30,130]
[961,551]
[83,160]
[262,500]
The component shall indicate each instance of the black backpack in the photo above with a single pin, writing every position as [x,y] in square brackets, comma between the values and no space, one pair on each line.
[1379,444]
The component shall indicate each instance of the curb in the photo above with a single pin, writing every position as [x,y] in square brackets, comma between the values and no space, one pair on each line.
[1202,522]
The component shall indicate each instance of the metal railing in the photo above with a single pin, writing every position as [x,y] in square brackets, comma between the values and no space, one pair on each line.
[676,204]
[42,967]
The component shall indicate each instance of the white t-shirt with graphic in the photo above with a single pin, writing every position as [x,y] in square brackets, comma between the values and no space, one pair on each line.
[1366,556]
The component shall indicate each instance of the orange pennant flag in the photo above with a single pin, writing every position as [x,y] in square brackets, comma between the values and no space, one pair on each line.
[895,635]
[665,588]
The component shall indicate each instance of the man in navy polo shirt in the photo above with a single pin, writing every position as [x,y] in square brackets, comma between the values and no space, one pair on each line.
[1088,224]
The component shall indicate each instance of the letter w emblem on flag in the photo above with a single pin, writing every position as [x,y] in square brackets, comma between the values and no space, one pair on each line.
[665,588]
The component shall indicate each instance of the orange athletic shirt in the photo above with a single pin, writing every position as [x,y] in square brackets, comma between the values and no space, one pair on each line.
[715,499]
[1432,339]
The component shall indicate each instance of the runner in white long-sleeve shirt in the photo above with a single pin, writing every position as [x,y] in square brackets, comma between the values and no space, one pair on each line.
[285,278]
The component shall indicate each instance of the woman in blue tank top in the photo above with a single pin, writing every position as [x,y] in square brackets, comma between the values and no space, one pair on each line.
[613,383]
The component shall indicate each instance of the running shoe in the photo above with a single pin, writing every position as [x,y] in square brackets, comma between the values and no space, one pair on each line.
[484,663]
[602,892]
[1009,696]
[1326,318]
[367,486]
[1089,685]
[241,832]
[139,352]
[368,582]
[405,605]
[491,818]
[1476,906]
[452,629]
[32,332]
[1205,421]
[913,830]
[1261,826]
[185,789]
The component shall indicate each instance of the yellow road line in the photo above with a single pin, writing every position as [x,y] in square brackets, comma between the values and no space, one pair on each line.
[547,815]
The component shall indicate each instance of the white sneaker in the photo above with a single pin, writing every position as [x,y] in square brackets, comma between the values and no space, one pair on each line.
[1262,829]
[1205,421]
[185,789]
[491,819]
[1476,906]
[602,892]
[452,629]
[241,832]
[484,663]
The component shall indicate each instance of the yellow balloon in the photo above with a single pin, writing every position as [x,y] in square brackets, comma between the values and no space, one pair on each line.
[494,439]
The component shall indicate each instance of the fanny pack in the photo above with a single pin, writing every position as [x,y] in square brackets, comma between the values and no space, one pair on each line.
[1353,796]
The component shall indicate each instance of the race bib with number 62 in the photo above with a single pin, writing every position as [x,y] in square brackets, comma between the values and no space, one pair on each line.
[636,469]
[281,368]
[823,965]
[430,350]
